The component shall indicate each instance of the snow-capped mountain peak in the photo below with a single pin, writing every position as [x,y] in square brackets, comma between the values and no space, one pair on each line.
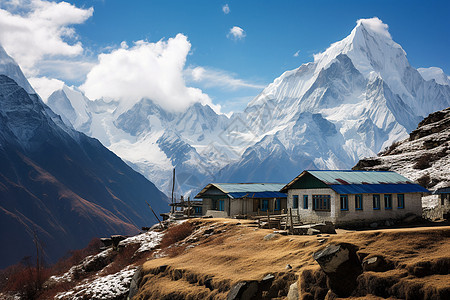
[11,69]
[371,49]
[434,73]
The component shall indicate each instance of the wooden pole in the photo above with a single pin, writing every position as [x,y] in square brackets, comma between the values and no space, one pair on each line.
[189,207]
[291,228]
[268,219]
[298,215]
[173,188]
[160,224]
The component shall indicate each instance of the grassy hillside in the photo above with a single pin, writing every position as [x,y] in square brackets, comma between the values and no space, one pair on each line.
[220,253]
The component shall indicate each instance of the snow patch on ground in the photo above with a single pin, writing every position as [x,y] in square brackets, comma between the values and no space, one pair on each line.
[107,287]
[148,241]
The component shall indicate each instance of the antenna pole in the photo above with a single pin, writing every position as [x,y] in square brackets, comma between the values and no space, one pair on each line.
[173,188]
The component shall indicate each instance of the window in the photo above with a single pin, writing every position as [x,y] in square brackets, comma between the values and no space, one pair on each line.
[321,202]
[277,204]
[198,210]
[358,202]
[265,205]
[376,202]
[221,205]
[305,201]
[344,202]
[400,200]
[388,201]
[295,201]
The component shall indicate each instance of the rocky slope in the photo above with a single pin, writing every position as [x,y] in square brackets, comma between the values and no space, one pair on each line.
[58,184]
[239,261]
[423,157]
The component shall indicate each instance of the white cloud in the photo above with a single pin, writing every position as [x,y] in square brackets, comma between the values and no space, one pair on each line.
[33,30]
[145,70]
[45,86]
[218,78]
[375,25]
[296,53]
[236,33]
[66,69]
[226,9]
[124,45]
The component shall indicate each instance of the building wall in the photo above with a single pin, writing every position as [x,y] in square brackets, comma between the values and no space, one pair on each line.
[413,205]
[209,210]
[207,205]
[239,206]
[310,215]
[244,206]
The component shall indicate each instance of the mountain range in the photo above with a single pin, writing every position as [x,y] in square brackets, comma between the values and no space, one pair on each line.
[355,99]
[58,187]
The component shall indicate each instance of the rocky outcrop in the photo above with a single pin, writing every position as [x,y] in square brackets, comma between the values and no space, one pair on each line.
[424,157]
[342,266]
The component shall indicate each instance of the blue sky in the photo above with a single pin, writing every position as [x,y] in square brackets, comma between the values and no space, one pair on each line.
[273,31]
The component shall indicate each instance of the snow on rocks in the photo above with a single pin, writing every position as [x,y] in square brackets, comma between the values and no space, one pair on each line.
[148,241]
[110,286]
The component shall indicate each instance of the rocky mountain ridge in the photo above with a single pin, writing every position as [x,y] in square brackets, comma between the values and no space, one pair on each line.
[59,187]
[423,157]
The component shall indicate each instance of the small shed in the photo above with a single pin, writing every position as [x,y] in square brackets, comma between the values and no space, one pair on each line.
[352,197]
[231,199]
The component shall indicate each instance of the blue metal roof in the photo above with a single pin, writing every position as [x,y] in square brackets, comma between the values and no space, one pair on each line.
[359,177]
[442,191]
[377,188]
[257,195]
[249,190]
[363,182]
[248,187]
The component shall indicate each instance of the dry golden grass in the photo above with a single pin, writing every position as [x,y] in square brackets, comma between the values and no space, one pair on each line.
[240,252]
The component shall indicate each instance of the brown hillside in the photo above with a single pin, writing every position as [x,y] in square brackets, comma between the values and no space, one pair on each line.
[221,253]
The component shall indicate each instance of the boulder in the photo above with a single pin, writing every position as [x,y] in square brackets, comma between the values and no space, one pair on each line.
[271,236]
[293,292]
[376,264]
[342,267]
[107,242]
[135,281]
[116,239]
[265,283]
[244,290]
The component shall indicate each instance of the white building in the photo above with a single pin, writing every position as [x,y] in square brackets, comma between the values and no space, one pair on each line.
[231,199]
[352,197]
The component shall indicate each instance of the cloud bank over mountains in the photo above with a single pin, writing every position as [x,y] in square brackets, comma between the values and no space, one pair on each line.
[124,73]
[36,30]
[145,70]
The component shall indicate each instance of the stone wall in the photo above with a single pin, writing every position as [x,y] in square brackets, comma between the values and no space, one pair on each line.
[435,207]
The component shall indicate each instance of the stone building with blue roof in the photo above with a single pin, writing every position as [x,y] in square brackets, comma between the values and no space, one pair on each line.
[231,199]
[349,197]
